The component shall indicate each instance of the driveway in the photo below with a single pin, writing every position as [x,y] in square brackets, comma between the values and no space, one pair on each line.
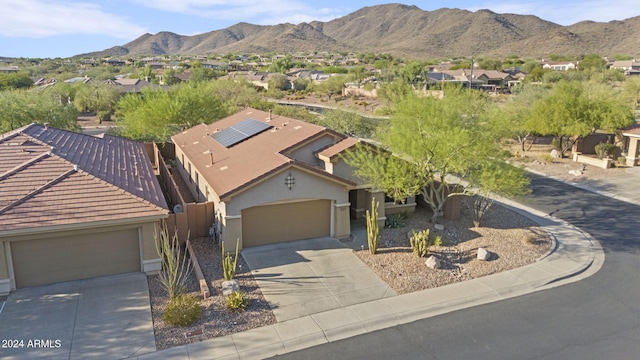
[101,318]
[307,277]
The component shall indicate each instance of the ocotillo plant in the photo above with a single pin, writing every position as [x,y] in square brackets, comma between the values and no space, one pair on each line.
[373,230]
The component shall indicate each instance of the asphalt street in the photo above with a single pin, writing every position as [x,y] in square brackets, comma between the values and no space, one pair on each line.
[596,318]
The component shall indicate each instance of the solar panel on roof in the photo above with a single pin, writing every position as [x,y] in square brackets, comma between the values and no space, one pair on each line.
[240,132]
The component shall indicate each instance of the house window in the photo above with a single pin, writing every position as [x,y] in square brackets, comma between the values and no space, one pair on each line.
[190,175]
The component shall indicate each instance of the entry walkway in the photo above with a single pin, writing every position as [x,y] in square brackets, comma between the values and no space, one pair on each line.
[307,277]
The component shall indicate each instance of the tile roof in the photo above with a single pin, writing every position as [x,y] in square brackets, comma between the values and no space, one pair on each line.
[236,167]
[54,177]
[338,147]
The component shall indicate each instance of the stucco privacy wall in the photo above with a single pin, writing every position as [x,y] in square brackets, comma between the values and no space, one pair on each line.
[274,190]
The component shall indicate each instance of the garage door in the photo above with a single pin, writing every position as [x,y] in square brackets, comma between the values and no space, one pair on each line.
[271,224]
[46,261]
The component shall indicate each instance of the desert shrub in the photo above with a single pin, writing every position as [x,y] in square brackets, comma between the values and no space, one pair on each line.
[176,265]
[420,243]
[604,150]
[229,264]
[437,241]
[373,230]
[396,220]
[547,158]
[183,310]
[622,160]
[236,301]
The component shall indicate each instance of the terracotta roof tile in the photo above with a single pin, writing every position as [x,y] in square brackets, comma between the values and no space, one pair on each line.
[40,187]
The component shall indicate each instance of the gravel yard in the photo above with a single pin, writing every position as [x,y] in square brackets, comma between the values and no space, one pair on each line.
[215,320]
[512,240]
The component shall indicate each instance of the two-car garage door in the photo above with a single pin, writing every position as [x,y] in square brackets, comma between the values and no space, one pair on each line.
[269,224]
[51,260]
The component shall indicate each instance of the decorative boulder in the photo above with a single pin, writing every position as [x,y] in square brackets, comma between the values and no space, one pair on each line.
[575,172]
[229,286]
[556,154]
[432,262]
[439,227]
[483,254]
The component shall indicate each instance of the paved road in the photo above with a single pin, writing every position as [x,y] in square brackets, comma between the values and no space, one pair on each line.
[596,318]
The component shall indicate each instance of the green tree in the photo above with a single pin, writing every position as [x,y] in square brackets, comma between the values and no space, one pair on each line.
[169,77]
[347,122]
[98,97]
[573,110]
[281,65]
[331,86]
[279,82]
[20,107]
[18,80]
[157,114]
[515,110]
[429,139]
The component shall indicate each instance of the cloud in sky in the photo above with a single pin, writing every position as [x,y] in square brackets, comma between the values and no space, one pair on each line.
[42,18]
[262,12]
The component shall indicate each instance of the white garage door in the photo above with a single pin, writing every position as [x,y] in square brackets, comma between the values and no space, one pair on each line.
[46,261]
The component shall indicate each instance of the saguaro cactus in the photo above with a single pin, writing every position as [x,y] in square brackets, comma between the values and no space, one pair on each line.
[373,230]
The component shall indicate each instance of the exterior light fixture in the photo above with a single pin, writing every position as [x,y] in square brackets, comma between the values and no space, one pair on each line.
[289,181]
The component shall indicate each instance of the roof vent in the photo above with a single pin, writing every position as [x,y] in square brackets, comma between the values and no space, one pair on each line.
[75,168]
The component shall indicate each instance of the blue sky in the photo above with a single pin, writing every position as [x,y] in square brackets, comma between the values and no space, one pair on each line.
[43,28]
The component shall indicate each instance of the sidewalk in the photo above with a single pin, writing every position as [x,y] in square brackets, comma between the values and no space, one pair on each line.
[575,255]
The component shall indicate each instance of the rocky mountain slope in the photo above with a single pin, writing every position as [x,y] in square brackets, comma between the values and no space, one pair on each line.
[405,31]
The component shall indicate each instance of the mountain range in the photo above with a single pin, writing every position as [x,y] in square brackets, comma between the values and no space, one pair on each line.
[404,31]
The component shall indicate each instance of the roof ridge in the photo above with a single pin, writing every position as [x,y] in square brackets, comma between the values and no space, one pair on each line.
[23,165]
[36,191]
[15,132]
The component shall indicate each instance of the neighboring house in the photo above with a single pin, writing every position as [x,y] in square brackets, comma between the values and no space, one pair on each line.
[131,85]
[560,65]
[274,179]
[116,62]
[629,67]
[9,69]
[632,144]
[74,206]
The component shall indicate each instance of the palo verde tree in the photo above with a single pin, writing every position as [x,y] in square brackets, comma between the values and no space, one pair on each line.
[427,139]
[157,114]
[98,97]
[573,110]
[22,107]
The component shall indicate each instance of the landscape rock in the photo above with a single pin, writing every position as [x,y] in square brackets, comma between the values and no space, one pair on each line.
[575,172]
[483,254]
[556,154]
[229,286]
[439,227]
[432,262]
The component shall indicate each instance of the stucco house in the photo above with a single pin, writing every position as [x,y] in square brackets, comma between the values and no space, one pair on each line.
[75,206]
[274,179]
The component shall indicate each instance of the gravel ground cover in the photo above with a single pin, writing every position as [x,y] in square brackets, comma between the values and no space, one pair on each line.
[511,239]
[215,320]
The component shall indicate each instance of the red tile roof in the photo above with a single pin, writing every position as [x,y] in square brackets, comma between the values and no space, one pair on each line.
[53,177]
[236,167]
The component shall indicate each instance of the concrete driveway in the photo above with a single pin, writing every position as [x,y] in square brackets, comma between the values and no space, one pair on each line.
[101,318]
[307,277]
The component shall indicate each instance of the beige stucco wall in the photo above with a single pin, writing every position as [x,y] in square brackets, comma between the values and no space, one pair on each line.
[306,153]
[146,233]
[345,171]
[231,231]
[342,221]
[4,270]
[307,187]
